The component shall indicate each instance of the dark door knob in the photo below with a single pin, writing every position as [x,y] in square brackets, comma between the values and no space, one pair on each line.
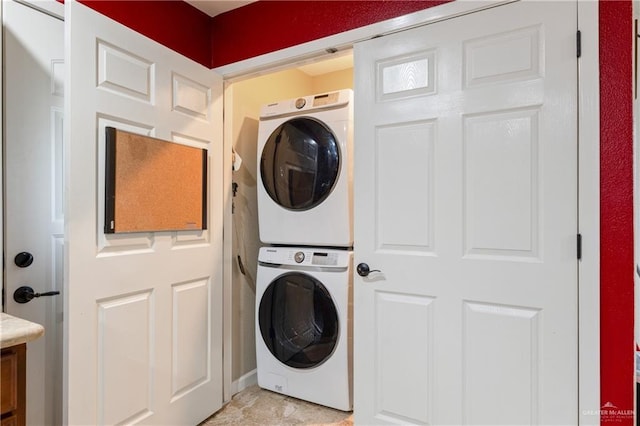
[23,259]
[25,293]
[364,270]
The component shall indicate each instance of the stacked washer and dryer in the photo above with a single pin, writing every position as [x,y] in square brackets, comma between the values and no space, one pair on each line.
[304,336]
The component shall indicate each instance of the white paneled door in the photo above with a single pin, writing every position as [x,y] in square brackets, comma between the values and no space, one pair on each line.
[144,310]
[466,201]
[34,214]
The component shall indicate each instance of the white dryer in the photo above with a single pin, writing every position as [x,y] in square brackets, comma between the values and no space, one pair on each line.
[305,169]
[304,338]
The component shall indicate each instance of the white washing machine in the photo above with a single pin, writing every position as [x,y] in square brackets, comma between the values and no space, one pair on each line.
[305,168]
[304,339]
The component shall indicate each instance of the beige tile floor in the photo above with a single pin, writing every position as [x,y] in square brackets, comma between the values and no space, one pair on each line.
[255,406]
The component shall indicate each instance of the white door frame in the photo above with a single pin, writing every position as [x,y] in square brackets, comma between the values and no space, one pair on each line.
[50,7]
[588,179]
[589,214]
[2,206]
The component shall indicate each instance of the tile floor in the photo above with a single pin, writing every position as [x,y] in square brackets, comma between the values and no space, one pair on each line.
[255,406]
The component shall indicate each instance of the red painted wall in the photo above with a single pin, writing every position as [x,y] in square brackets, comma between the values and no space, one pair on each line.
[266,26]
[616,210]
[173,23]
[271,25]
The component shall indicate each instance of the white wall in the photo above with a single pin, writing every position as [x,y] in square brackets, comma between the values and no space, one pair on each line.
[242,106]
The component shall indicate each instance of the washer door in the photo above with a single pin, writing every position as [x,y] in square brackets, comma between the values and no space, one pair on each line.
[298,320]
[300,163]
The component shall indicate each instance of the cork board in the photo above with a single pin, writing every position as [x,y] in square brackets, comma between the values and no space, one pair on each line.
[153,185]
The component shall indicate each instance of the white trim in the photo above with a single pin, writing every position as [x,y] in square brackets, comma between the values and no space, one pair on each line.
[3,202]
[249,379]
[314,50]
[227,279]
[52,8]
[49,7]
[589,158]
[589,215]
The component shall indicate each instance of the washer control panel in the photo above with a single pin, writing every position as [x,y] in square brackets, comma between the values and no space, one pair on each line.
[299,257]
[304,256]
[324,259]
[313,258]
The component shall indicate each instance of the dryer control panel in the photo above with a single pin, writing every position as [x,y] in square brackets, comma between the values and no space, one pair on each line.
[304,256]
[307,104]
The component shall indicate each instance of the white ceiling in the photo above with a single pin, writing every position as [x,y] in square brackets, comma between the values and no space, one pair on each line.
[216,7]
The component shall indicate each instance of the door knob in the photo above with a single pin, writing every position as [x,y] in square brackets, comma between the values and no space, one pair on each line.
[25,293]
[23,259]
[364,270]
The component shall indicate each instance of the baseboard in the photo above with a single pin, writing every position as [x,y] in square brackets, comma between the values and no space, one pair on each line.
[246,380]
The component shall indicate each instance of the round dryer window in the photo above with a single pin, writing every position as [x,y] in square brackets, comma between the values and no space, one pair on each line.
[300,163]
[298,320]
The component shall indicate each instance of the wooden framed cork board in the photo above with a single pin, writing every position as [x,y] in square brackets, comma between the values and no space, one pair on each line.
[153,185]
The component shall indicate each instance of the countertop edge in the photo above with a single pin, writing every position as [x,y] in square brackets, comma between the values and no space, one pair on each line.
[15,331]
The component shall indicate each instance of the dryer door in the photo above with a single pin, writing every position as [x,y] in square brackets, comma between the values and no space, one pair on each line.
[298,320]
[300,163]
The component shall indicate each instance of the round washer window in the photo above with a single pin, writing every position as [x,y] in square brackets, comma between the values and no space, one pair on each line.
[298,320]
[300,163]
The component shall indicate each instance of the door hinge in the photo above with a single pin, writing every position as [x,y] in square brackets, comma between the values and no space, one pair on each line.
[578,43]
[635,60]
[579,246]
